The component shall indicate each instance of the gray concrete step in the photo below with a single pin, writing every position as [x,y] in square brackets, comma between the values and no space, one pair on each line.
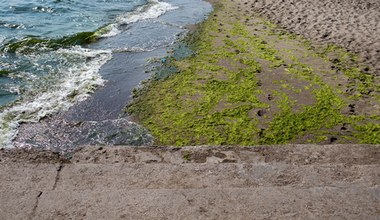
[272,182]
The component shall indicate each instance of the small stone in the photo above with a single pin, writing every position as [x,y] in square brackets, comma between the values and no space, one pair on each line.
[333,139]
[261,132]
[335,61]
[261,113]
[325,35]
[270,97]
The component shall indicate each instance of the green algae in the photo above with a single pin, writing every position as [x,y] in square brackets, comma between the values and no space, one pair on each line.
[360,79]
[362,82]
[368,133]
[287,125]
[30,44]
[196,119]
[214,98]
[4,72]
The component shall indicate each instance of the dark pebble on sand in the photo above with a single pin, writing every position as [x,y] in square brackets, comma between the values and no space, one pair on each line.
[261,113]
[333,139]
[352,109]
[349,90]
[261,132]
[335,61]
[270,97]
[325,35]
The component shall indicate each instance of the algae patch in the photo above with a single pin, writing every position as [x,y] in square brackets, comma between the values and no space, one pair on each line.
[242,86]
[29,44]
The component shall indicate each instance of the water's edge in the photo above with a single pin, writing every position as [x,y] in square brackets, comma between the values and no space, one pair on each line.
[98,120]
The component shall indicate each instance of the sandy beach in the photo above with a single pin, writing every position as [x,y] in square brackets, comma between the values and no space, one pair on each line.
[352,24]
[299,118]
[252,81]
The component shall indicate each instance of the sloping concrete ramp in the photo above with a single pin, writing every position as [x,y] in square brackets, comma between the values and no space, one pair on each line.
[266,182]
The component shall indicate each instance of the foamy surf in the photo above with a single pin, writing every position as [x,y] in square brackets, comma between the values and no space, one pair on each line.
[153,10]
[75,84]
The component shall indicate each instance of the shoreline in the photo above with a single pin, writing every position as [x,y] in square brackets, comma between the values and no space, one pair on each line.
[302,92]
[146,36]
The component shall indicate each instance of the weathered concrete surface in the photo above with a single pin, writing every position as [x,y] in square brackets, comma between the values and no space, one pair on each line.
[268,182]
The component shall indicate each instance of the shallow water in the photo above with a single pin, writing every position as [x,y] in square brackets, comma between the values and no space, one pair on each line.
[41,79]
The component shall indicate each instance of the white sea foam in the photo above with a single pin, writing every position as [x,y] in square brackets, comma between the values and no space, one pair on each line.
[111,30]
[153,10]
[75,85]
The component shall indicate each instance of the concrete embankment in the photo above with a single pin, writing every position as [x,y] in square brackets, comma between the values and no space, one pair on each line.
[267,182]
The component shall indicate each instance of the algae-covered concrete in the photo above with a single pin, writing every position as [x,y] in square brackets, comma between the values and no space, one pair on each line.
[266,182]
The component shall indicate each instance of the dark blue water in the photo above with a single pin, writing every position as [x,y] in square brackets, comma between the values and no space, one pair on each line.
[48,65]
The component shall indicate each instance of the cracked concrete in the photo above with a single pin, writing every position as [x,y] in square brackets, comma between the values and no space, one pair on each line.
[57,177]
[33,214]
[266,182]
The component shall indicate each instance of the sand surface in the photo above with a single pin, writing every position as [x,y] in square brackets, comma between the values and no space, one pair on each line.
[353,24]
[252,82]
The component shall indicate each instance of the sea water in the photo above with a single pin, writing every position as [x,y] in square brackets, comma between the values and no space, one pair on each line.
[51,51]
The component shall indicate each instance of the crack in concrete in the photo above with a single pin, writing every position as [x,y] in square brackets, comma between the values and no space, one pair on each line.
[58,175]
[33,214]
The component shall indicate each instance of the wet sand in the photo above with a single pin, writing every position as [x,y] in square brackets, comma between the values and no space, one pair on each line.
[352,24]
